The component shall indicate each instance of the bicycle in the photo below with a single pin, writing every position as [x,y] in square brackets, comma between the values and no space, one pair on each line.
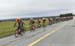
[18,32]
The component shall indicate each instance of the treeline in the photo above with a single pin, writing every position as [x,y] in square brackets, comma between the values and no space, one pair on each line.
[54,17]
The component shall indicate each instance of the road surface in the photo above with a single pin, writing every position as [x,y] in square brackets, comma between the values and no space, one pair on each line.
[59,34]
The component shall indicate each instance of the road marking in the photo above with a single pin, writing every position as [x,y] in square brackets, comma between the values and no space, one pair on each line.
[45,36]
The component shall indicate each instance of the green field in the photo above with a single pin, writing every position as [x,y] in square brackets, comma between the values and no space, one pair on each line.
[7,28]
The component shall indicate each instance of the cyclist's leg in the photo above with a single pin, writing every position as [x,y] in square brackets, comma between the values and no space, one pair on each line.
[16,33]
[22,29]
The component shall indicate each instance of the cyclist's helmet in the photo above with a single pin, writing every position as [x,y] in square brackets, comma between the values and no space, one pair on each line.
[18,19]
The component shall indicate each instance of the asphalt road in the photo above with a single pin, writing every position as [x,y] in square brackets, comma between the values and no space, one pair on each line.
[63,37]
[59,34]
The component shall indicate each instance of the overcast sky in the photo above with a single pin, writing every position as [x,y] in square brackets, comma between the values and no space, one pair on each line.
[14,7]
[45,4]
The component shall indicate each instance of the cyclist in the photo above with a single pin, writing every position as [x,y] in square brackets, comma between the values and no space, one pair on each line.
[32,23]
[49,21]
[44,21]
[20,26]
[39,23]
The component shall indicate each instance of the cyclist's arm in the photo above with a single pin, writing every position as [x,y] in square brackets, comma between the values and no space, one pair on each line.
[15,24]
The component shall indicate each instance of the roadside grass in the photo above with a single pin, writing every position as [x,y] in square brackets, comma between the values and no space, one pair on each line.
[7,28]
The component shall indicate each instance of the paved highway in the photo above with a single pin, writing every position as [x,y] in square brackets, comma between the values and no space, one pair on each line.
[59,34]
[63,37]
